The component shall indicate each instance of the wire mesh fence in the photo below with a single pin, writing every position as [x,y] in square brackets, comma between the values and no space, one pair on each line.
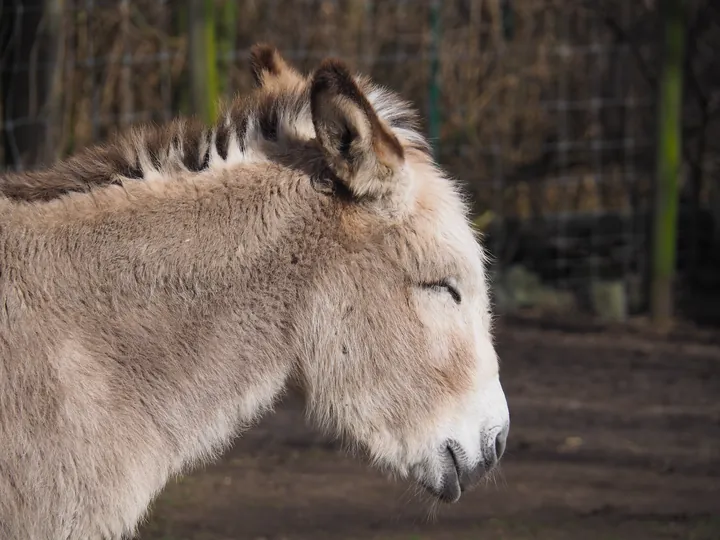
[544,108]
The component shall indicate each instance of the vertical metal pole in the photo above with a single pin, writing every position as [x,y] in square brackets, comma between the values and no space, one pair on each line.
[55,60]
[203,59]
[434,117]
[228,24]
[669,161]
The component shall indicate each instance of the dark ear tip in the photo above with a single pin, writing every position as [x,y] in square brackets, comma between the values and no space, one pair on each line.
[264,58]
[334,75]
[262,49]
[333,67]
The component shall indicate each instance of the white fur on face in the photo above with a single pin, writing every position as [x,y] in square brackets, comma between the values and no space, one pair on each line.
[472,422]
[401,369]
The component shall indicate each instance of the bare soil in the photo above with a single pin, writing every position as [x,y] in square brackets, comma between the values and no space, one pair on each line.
[614,435]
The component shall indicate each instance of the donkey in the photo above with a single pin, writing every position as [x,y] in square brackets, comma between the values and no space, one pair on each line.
[308,241]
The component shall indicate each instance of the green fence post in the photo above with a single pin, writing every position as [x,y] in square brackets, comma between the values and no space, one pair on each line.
[226,42]
[434,89]
[203,59]
[669,156]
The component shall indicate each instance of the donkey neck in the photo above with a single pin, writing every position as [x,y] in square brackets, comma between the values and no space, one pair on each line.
[209,232]
[182,297]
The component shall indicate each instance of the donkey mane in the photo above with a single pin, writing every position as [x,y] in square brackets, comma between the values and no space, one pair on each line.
[241,134]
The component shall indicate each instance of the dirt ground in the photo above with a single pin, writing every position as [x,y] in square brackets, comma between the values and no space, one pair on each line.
[614,435]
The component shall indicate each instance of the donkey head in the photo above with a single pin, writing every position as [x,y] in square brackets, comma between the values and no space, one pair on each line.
[396,353]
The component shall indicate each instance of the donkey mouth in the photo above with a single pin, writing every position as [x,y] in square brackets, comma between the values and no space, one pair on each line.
[449,488]
[452,484]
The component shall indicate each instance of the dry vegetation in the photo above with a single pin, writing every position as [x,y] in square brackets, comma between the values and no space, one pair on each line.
[537,103]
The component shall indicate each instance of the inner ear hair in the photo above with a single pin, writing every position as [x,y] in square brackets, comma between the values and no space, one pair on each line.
[360,149]
[333,80]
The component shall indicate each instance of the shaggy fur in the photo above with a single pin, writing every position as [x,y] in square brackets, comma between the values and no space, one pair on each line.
[277,112]
[143,325]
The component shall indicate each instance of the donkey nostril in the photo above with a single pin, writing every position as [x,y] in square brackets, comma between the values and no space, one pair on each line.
[501,442]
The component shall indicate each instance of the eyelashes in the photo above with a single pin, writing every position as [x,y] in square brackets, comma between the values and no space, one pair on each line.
[447,287]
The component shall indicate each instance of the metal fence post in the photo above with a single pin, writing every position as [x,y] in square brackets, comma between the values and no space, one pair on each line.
[227,42]
[434,90]
[669,160]
[203,59]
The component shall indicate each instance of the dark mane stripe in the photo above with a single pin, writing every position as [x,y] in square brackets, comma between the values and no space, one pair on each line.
[187,145]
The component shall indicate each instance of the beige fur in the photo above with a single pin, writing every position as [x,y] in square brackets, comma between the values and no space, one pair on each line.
[143,325]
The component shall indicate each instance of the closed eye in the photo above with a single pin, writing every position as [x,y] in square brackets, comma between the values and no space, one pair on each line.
[446,286]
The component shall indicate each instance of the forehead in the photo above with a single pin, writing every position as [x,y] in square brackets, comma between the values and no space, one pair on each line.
[435,238]
[436,230]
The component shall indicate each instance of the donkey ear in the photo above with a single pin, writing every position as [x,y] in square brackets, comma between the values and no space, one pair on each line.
[360,150]
[268,66]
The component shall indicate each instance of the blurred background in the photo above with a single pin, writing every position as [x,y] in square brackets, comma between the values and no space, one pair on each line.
[587,133]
